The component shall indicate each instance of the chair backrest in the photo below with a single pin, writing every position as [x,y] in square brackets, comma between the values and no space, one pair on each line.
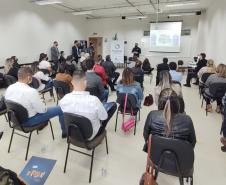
[61,87]
[131,101]
[217,90]
[205,76]
[165,150]
[9,80]
[93,91]
[17,113]
[35,83]
[139,79]
[79,128]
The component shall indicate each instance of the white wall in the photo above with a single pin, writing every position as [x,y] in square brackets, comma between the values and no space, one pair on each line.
[211,37]
[27,30]
[132,32]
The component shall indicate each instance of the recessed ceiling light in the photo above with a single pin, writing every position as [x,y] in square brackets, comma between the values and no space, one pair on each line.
[82,13]
[182,4]
[182,14]
[48,2]
[137,17]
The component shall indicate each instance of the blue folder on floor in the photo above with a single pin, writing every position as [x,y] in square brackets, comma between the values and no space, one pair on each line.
[37,170]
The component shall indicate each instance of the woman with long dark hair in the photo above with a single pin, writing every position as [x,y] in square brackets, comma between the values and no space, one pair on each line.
[167,121]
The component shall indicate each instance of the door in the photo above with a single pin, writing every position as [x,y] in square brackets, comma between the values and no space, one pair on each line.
[98,46]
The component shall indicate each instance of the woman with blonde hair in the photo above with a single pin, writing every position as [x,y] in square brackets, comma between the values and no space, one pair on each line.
[210,68]
[9,68]
[165,81]
[167,121]
[219,77]
[128,85]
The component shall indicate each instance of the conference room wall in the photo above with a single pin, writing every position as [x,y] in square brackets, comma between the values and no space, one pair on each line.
[211,36]
[27,29]
[132,32]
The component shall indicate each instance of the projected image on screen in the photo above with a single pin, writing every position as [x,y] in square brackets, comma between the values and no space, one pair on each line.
[165,37]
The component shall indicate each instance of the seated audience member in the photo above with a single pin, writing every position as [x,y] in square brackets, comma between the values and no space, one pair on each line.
[223,128]
[43,78]
[219,77]
[101,60]
[43,63]
[94,81]
[138,72]
[167,121]
[147,66]
[128,85]
[29,98]
[162,67]
[15,62]
[69,66]
[101,72]
[165,82]
[62,58]
[80,102]
[9,68]
[110,69]
[193,73]
[176,76]
[62,75]
[210,68]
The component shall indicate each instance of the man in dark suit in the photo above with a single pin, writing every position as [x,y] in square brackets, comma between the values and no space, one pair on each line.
[193,73]
[75,51]
[55,55]
[136,51]
[162,67]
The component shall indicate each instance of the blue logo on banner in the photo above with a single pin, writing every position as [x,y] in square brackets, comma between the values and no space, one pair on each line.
[37,170]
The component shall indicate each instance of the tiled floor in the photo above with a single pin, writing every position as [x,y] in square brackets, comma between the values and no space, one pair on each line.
[126,161]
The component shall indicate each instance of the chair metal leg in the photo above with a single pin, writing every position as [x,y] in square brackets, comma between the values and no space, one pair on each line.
[106,139]
[192,180]
[6,118]
[181,180]
[28,145]
[135,127]
[206,109]
[51,127]
[11,139]
[65,165]
[202,102]
[91,167]
[139,115]
[116,121]
[37,132]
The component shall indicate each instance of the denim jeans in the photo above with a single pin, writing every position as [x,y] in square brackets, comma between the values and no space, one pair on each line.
[51,113]
[104,97]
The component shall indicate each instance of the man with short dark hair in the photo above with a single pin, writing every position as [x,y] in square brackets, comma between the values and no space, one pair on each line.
[80,102]
[28,97]
[193,73]
[176,76]
[136,51]
[55,55]
[162,67]
[75,51]
[94,81]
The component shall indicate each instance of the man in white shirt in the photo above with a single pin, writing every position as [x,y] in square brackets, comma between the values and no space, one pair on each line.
[82,103]
[29,98]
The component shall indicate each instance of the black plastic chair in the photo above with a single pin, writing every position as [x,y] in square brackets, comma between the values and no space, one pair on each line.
[139,79]
[9,80]
[130,107]
[79,131]
[94,91]
[17,115]
[173,157]
[216,92]
[35,84]
[176,82]
[202,82]
[61,88]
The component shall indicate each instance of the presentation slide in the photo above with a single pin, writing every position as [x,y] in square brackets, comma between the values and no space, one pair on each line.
[165,37]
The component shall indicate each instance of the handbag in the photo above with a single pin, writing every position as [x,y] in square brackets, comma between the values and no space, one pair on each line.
[148,177]
[130,123]
[148,101]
